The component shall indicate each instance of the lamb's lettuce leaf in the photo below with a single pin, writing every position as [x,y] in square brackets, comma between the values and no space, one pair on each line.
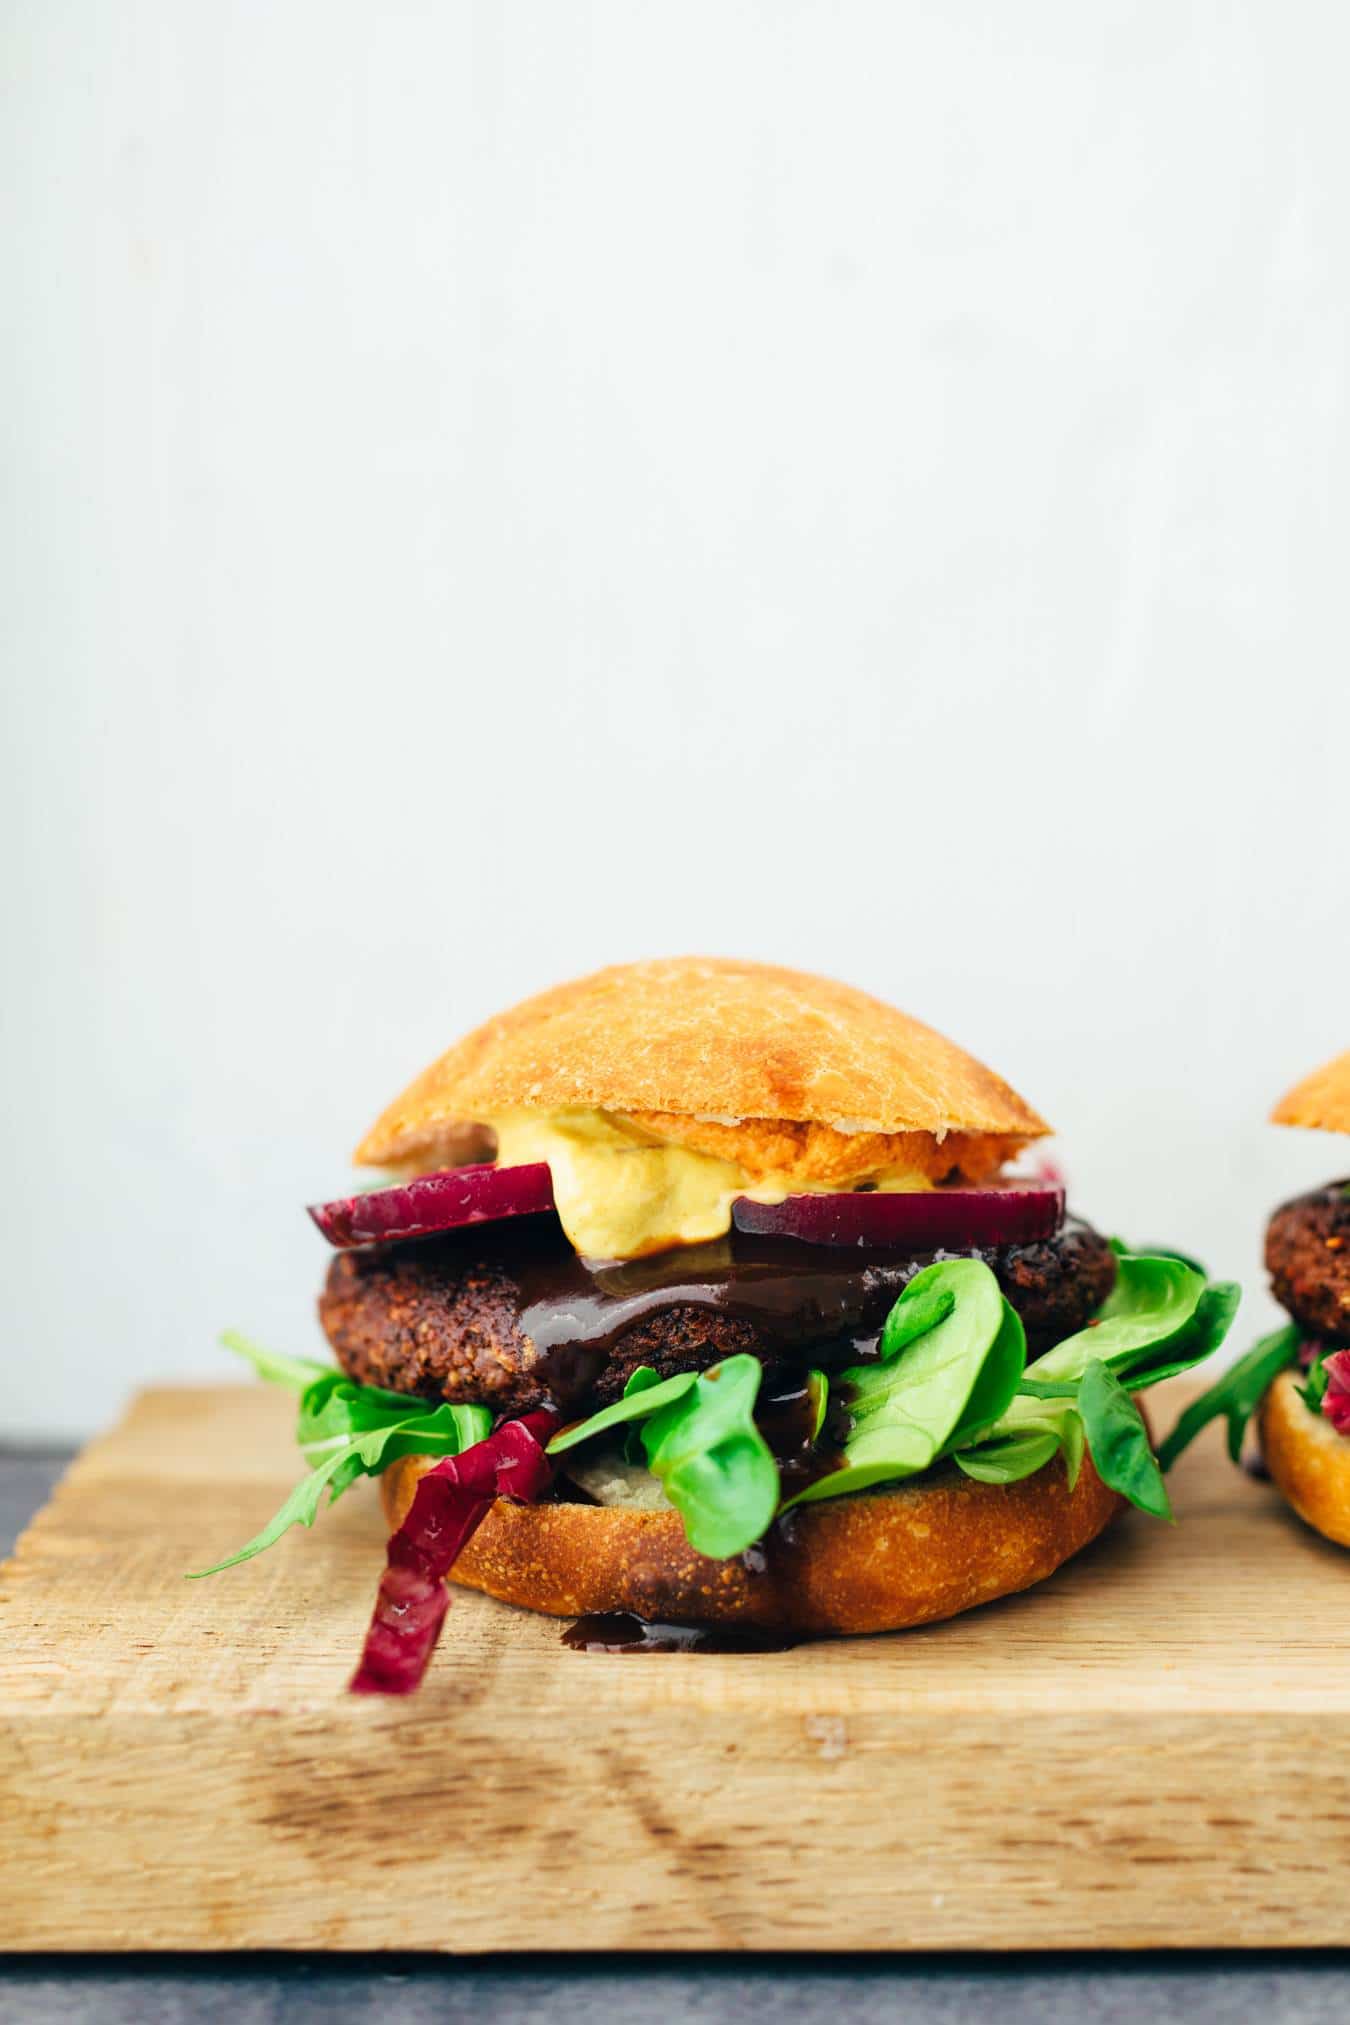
[1118,1440]
[952,1353]
[1152,1300]
[1007,1458]
[818,1394]
[699,1437]
[1160,1319]
[951,1380]
[1199,1339]
[714,1464]
[644,1395]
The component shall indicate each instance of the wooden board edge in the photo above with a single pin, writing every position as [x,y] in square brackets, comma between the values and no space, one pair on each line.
[1170,1832]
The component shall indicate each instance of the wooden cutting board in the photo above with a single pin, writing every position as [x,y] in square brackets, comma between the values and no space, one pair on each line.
[1149,1750]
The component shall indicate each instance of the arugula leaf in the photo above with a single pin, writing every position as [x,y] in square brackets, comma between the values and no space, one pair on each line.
[364,1455]
[715,1465]
[1118,1441]
[1314,1390]
[952,1353]
[1235,1396]
[346,1431]
[300,1509]
[294,1372]
[335,1411]
[643,1396]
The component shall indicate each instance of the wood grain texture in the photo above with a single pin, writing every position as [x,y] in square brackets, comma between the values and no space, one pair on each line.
[1141,1752]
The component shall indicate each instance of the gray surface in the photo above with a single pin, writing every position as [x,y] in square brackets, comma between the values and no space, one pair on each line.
[942,1991]
[26,1479]
[1021,1990]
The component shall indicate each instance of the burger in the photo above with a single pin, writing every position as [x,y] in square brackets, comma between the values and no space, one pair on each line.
[706,1301]
[1296,1382]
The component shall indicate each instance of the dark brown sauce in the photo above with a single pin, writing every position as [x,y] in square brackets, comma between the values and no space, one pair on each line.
[618,1631]
[785,1415]
[794,1296]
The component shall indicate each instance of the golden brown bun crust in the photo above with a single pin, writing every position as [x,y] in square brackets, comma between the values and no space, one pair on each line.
[1321,1101]
[1308,1460]
[703,1037]
[815,1155]
[877,1562]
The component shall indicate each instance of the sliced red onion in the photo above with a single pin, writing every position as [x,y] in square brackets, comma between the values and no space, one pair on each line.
[1005,1213]
[1336,1398]
[450,1504]
[435,1202]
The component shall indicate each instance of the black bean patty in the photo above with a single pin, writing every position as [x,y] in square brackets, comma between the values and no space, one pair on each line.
[443,1317]
[1308,1258]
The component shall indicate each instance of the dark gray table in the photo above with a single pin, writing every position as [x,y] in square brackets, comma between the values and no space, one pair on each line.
[567,1990]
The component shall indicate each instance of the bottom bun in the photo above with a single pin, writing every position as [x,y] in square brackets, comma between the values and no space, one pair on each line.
[875,1561]
[1308,1460]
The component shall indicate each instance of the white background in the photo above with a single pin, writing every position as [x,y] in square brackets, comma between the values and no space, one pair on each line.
[492,489]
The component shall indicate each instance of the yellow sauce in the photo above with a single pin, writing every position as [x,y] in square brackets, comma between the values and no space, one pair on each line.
[621,1193]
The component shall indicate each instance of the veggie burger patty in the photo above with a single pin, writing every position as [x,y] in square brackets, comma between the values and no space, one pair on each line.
[1308,1258]
[459,1318]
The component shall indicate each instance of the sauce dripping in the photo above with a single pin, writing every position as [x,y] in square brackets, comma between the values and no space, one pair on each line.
[785,1415]
[619,1631]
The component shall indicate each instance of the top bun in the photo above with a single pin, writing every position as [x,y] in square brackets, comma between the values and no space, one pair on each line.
[782,1069]
[1321,1101]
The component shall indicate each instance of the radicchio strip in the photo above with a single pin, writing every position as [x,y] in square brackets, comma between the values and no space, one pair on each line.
[450,1503]
[1336,1398]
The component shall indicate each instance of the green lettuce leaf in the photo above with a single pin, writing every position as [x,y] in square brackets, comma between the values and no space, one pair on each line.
[1118,1441]
[1007,1458]
[644,1395]
[951,1380]
[1160,1319]
[818,1393]
[1199,1339]
[1072,1442]
[1152,1300]
[300,1509]
[346,1431]
[1314,1388]
[295,1373]
[1235,1396]
[952,1353]
[642,1379]
[713,1462]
